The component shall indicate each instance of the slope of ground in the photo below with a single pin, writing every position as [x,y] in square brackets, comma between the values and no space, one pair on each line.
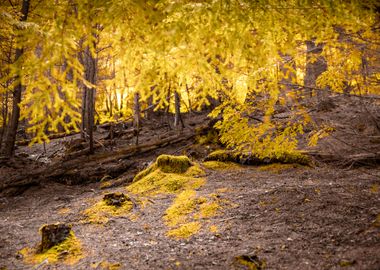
[291,218]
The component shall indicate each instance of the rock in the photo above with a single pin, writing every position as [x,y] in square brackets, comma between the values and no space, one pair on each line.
[53,234]
[115,199]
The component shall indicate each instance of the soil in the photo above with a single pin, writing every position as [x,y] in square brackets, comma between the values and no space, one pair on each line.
[326,216]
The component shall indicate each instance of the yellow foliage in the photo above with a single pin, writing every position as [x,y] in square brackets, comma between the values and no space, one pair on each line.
[69,252]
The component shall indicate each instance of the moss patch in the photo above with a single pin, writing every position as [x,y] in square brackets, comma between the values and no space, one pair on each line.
[167,164]
[183,205]
[68,252]
[219,165]
[251,262]
[100,212]
[159,178]
[106,265]
[221,155]
[279,167]
[188,208]
[185,230]
[254,159]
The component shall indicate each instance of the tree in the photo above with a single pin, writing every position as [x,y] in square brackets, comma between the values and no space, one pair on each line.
[9,142]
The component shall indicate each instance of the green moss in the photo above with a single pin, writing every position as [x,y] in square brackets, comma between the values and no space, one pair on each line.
[185,231]
[101,211]
[69,252]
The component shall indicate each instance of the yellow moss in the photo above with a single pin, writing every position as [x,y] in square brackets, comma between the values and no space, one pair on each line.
[106,265]
[251,262]
[213,229]
[166,164]
[278,167]
[376,223]
[183,205]
[64,211]
[219,165]
[195,171]
[223,190]
[105,184]
[185,231]
[158,182]
[69,252]
[100,212]
[221,155]
[374,188]
[208,210]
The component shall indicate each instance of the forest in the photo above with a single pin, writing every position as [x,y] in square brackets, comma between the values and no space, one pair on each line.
[189,134]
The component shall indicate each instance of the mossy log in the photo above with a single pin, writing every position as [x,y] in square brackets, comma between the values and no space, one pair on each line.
[252,159]
[78,161]
[53,234]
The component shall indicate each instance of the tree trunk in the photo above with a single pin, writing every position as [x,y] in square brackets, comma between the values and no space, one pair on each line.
[188,98]
[177,117]
[313,68]
[10,139]
[136,115]
[149,110]
[89,102]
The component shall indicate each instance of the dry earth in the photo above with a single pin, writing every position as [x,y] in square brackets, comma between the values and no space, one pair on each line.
[297,218]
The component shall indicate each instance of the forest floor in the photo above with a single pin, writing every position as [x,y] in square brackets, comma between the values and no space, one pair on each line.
[282,216]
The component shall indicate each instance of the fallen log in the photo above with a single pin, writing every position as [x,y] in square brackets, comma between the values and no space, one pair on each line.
[74,166]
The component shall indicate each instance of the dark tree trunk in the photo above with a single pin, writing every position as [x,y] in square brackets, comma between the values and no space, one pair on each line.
[189,99]
[10,139]
[177,118]
[89,96]
[149,110]
[313,69]
[136,115]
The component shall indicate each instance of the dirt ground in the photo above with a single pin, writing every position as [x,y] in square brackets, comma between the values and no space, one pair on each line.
[321,217]
[297,218]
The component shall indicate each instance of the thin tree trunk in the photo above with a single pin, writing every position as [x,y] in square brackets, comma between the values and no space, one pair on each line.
[177,117]
[84,114]
[90,76]
[188,98]
[136,115]
[313,69]
[10,139]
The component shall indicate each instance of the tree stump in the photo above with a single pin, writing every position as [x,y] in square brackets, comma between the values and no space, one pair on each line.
[115,199]
[53,234]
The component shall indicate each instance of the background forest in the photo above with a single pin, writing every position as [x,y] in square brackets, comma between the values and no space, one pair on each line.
[66,64]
